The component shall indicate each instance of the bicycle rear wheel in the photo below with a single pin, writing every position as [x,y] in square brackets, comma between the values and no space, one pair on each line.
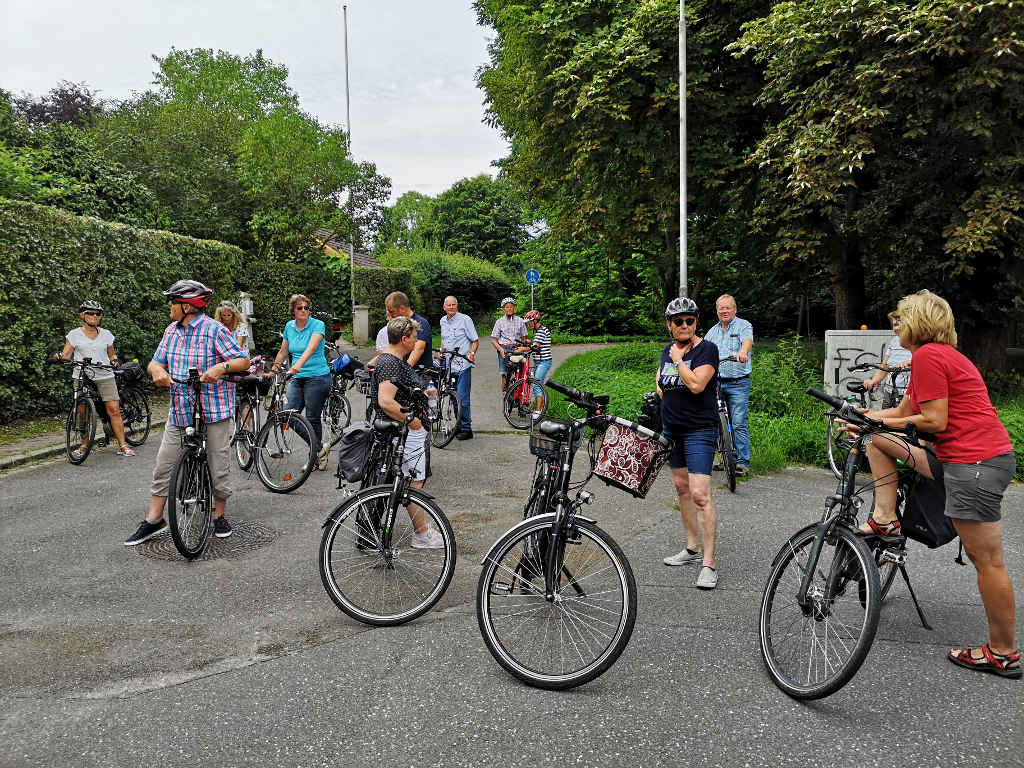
[336,415]
[726,450]
[813,651]
[190,505]
[444,421]
[519,403]
[243,441]
[284,453]
[385,586]
[136,416]
[577,636]
[80,429]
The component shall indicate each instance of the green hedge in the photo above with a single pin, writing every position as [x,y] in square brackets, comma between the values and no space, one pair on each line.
[271,283]
[51,260]
[373,285]
[478,285]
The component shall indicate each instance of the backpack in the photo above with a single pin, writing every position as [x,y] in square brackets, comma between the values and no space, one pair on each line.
[923,516]
[353,448]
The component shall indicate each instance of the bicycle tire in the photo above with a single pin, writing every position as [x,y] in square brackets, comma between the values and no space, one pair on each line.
[190,505]
[726,450]
[136,416]
[518,408]
[837,446]
[80,428]
[377,586]
[243,441]
[336,415]
[444,421]
[284,460]
[517,643]
[845,584]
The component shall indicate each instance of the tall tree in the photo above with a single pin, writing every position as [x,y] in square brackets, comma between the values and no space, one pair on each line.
[480,217]
[896,162]
[67,103]
[404,223]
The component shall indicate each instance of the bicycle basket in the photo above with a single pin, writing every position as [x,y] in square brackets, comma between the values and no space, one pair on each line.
[544,447]
[345,365]
[629,461]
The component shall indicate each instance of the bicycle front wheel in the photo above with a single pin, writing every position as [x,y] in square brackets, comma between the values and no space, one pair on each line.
[573,638]
[390,583]
[136,416]
[837,445]
[284,453]
[726,450]
[190,505]
[519,403]
[336,415]
[444,421]
[80,429]
[812,651]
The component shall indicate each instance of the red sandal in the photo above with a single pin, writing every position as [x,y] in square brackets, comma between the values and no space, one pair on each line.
[1002,664]
[890,530]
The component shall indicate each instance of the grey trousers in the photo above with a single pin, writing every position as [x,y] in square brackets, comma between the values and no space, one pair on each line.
[217,457]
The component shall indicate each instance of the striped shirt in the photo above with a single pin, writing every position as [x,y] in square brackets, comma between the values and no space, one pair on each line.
[201,344]
[542,339]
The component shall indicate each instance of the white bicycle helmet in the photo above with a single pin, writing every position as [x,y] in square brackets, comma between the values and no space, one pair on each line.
[507,300]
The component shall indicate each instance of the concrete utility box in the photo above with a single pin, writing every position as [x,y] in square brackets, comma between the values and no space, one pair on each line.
[360,324]
[846,348]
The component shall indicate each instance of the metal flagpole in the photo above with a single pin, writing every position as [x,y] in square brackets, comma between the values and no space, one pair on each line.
[348,132]
[683,290]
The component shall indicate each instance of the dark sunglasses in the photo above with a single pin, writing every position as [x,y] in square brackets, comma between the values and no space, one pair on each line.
[301,307]
[678,321]
[93,314]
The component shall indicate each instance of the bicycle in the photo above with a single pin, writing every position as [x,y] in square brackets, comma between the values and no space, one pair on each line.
[337,410]
[820,606]
[446,414]
[837,442]
[556,600]
[252,388]
[726,448]
[372,565]
[190,500]
[518,398]
[283,447]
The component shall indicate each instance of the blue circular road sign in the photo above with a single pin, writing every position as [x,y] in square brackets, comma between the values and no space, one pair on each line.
[532,276]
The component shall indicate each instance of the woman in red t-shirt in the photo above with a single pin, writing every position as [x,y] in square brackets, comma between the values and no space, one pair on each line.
[973,458]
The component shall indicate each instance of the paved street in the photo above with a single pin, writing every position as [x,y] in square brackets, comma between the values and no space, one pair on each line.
[116,656]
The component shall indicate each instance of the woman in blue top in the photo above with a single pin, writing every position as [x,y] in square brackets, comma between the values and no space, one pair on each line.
[686,383]
[303,345]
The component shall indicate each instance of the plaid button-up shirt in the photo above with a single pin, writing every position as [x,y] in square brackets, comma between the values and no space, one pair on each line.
[509,332]
[201,344]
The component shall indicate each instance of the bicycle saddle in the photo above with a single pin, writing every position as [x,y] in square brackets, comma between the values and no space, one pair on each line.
[386,425]
[516,359]
[554,429]
[857,389]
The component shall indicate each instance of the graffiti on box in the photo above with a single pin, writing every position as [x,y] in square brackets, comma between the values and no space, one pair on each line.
[846,349]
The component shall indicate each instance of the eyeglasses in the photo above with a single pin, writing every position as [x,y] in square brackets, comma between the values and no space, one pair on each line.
[93,314]
[678,321]
[302,308]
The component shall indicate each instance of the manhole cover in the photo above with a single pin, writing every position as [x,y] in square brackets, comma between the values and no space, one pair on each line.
[246,535]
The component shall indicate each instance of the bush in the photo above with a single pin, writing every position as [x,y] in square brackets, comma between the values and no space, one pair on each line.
[477,284]
[51,260]
[373,285]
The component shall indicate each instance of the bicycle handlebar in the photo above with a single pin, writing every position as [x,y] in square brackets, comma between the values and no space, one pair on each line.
[849,412]
[82,363]
[593,404]
[860,367]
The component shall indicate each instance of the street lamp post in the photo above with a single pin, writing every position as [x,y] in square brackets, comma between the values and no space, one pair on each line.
[348,132]
[683,290]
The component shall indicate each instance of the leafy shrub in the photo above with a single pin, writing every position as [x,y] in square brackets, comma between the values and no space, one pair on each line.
[373,285]
[51,260]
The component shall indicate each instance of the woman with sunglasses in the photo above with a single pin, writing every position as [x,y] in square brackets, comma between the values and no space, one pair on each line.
[91,341]
[686,383]
[303,346]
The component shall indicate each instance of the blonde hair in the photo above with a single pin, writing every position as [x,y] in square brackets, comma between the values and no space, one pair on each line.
[725,296]
[236,316]
[926,317]
[400,327]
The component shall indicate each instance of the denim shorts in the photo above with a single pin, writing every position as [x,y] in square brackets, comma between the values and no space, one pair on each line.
[693,449]
[975,491]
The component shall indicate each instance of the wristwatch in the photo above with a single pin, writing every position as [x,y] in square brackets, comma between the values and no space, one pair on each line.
[227,367]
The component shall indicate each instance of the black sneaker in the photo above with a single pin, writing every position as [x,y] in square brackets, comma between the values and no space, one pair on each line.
[465,434]
[147,530]
[221,527]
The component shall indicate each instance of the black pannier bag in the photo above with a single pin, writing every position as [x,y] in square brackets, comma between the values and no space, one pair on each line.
[131,374]
[650,412]
[923,517]
[353,448]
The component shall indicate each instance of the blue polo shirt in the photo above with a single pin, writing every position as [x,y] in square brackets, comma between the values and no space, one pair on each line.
[298,340]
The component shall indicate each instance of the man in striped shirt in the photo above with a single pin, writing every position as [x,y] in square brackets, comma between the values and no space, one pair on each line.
[193,340]
[542,346]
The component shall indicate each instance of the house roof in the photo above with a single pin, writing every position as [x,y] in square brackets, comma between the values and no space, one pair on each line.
[330,243]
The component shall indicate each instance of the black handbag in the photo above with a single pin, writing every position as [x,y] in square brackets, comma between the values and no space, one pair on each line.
[923,515]
[353,449]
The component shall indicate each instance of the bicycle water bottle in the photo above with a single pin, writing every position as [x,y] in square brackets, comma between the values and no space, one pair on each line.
[432,398]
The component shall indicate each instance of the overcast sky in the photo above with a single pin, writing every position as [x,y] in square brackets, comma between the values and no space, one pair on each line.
[416,112]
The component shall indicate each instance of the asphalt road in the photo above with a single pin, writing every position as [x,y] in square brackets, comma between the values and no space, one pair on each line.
[115,656]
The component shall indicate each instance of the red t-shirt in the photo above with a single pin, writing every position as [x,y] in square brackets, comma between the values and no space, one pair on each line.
[974,431]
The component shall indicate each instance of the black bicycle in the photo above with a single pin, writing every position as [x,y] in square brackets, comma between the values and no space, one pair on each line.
[446,412]
[190,501]
[387,553]
[556,599]
[726,447]
[283,447]
[820,606]
[337,410]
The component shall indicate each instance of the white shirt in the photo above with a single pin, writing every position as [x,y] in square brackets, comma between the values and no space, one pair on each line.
[94,349]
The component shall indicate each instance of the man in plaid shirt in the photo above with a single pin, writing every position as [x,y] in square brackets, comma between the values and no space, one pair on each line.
[193,340]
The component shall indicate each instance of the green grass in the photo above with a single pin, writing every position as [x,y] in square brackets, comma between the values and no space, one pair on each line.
[786,425]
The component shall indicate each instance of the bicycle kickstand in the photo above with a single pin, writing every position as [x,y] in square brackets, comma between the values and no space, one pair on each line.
[920,613]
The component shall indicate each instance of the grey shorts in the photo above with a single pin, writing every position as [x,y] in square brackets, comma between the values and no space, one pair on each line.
[108,390]
[975,491]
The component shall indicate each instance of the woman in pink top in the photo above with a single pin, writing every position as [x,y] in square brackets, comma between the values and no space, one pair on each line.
[973,459]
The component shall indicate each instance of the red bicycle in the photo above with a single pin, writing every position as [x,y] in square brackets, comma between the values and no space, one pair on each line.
[521,398]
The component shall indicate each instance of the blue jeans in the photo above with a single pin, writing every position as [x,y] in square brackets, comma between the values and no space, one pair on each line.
[463,383]
[540,373]
[737,396]
[308,395]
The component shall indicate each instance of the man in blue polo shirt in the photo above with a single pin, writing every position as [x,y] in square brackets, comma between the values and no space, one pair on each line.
[734,336]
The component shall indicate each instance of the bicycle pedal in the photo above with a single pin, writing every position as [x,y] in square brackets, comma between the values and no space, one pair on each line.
[894,556]
[501,588]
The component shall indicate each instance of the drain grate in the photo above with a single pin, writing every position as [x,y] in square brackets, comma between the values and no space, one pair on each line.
[246,536]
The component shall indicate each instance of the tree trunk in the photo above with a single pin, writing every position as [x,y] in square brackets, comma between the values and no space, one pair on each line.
[985,346]
[846,268]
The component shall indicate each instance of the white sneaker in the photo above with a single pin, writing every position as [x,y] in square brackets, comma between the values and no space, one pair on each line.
[684,558]
[707,578]
[429,539]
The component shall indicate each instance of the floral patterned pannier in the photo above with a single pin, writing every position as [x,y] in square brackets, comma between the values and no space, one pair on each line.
[629,461]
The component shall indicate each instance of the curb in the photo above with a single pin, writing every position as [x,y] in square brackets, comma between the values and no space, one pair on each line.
[18,459]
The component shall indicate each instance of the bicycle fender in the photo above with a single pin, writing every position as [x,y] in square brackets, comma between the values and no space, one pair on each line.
[548,517]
